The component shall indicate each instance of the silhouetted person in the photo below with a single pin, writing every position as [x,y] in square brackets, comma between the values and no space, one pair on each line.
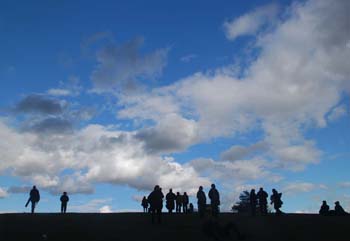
[170,201]
[262,197]
[155,200]
[64,200]
[34,198]
[178,202]
[276,201]
[191,208]
[252,201]
[202,202]
[185,202]
[339,210]
[214,197]
[324,210]
[144,204]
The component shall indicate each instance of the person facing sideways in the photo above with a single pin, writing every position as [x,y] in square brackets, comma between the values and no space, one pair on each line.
[144,204]
[64,200]
[339,210]
[34,198]
[155,199]
[185,202]
[252,201]
[214,197]
[324,210]
[262,197]
[170,200]
[276,201]
[178,202]
[201,201]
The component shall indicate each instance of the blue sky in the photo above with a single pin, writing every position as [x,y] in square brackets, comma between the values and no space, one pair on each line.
[106,100]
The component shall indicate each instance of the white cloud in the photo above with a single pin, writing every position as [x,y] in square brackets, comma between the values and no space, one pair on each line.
[94,205]
[105,209]
[3,193]
[297,187]
[337,113]
[59,92]
[94,154]
[303,58]
[69,88]
[250,23]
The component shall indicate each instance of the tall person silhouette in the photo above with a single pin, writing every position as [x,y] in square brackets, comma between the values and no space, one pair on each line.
[178,202]
[252,199]
[34,198]
[202,202]
[64,200]
[262,197]
[214,200]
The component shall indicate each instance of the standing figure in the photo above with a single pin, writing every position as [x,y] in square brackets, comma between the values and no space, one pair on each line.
[262,197]
[202,202]
[34,198]
[185,202]
[190,209]
[214,200]
[170,201]
[252,200]
[155,198]
[276,201]
[178,202]
[64,200]
[144,204]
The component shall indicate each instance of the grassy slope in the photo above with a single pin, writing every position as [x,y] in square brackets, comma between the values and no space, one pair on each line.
[137,226]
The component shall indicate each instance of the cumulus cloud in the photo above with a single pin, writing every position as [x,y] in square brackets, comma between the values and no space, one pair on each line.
[298,77]
[36,103]
[303,58]
[251,22]
[94,154]
[124,65]
[172,133]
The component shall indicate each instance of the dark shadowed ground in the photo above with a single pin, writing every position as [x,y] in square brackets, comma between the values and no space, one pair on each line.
[180,227]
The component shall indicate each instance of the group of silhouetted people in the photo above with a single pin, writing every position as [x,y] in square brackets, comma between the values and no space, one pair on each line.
[338,210]
[260,199]
[34,198]
[154,202]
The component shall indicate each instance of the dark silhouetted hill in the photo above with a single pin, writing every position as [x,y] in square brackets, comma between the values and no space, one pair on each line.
[177,227]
